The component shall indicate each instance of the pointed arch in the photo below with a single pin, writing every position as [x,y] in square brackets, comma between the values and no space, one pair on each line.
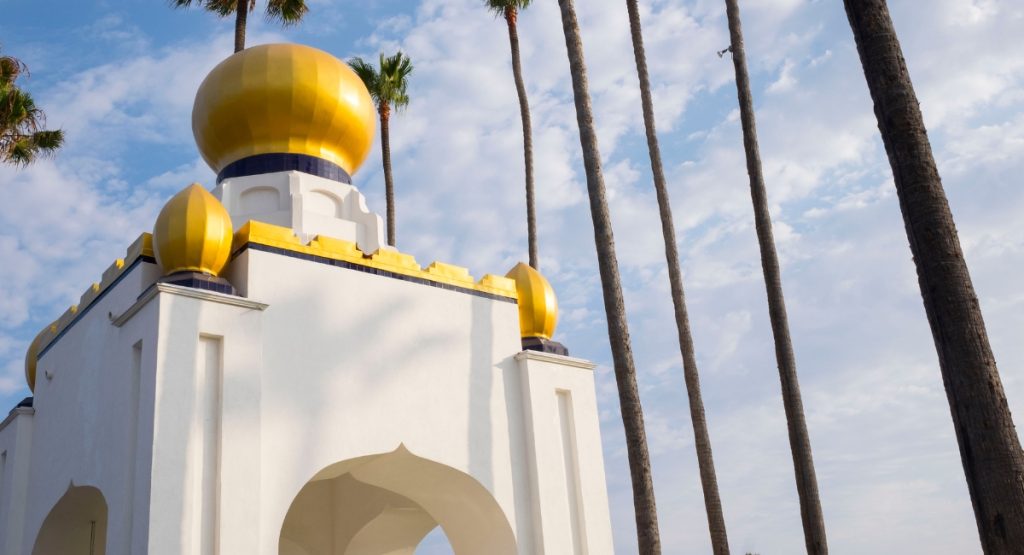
[387,503]
[76,525]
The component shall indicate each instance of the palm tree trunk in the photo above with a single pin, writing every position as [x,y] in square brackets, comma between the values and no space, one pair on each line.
[799,440]
[524,110]
[618,333]
[241,15]
[990,449]
[389,184]
[702,440]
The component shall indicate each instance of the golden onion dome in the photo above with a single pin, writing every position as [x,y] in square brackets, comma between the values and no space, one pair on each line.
[192,233]
[283,99]
[32,356]
[538,307]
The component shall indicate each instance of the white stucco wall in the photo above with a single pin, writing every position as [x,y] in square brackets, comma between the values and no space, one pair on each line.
[93,415]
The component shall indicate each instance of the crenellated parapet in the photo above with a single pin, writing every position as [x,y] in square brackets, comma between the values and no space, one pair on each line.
[141,250]
[283,240]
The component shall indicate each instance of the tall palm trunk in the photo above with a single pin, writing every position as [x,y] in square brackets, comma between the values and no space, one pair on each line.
[389,184]
[618,332]
[799,441]
[990,449]
[241,15]
[702,440]
[511,16]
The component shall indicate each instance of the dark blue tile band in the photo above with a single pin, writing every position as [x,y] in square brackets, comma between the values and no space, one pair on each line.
[280,162]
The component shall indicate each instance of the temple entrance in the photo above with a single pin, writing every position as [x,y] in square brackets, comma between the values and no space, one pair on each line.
[387,504]
[76,525]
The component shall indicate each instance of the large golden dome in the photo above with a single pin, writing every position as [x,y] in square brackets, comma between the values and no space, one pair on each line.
[283,101]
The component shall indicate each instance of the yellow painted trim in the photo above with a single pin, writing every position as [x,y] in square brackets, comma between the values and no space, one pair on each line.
[499,285]
[143,246]
[111,273]
[90,295]
[262,233]
[447,271]
[397,262]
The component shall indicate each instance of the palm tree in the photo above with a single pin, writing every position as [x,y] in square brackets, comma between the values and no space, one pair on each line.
[388,89]
[644,507]
[287,12]
[22,137]
[702,440]
[509,9]
[990,449]
[799,440]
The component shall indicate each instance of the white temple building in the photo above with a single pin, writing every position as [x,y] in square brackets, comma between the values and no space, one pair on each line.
[262,374]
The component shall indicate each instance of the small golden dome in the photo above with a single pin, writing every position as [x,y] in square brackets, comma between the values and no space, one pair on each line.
[283,99]
[538,306]
[32,357]
[192,233]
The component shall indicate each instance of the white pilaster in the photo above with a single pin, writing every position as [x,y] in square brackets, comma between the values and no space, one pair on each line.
[570,503]
[205,496]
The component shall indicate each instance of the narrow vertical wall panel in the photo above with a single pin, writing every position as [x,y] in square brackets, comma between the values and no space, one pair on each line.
[136,405]
[3,476]
[570,460]
[4,514]
[209,375]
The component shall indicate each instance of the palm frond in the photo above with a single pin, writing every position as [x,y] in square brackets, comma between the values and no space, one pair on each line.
[288,12]
[498,7]
[48,141]
[18,153]
[368,74]
[18,111]
[10,69]
[7,99]
[22,150]
[394,79]
[223,8]
[22,137]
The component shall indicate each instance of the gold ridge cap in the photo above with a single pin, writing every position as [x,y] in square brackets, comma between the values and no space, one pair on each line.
[391,260]
[450,272]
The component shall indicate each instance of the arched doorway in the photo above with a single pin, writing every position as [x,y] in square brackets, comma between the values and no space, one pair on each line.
[76,525]
[386,504]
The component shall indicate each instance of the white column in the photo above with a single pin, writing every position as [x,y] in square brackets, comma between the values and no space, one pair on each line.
[206,438]
[565,458]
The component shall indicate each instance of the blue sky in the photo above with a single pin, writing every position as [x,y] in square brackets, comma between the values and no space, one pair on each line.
[119,77]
